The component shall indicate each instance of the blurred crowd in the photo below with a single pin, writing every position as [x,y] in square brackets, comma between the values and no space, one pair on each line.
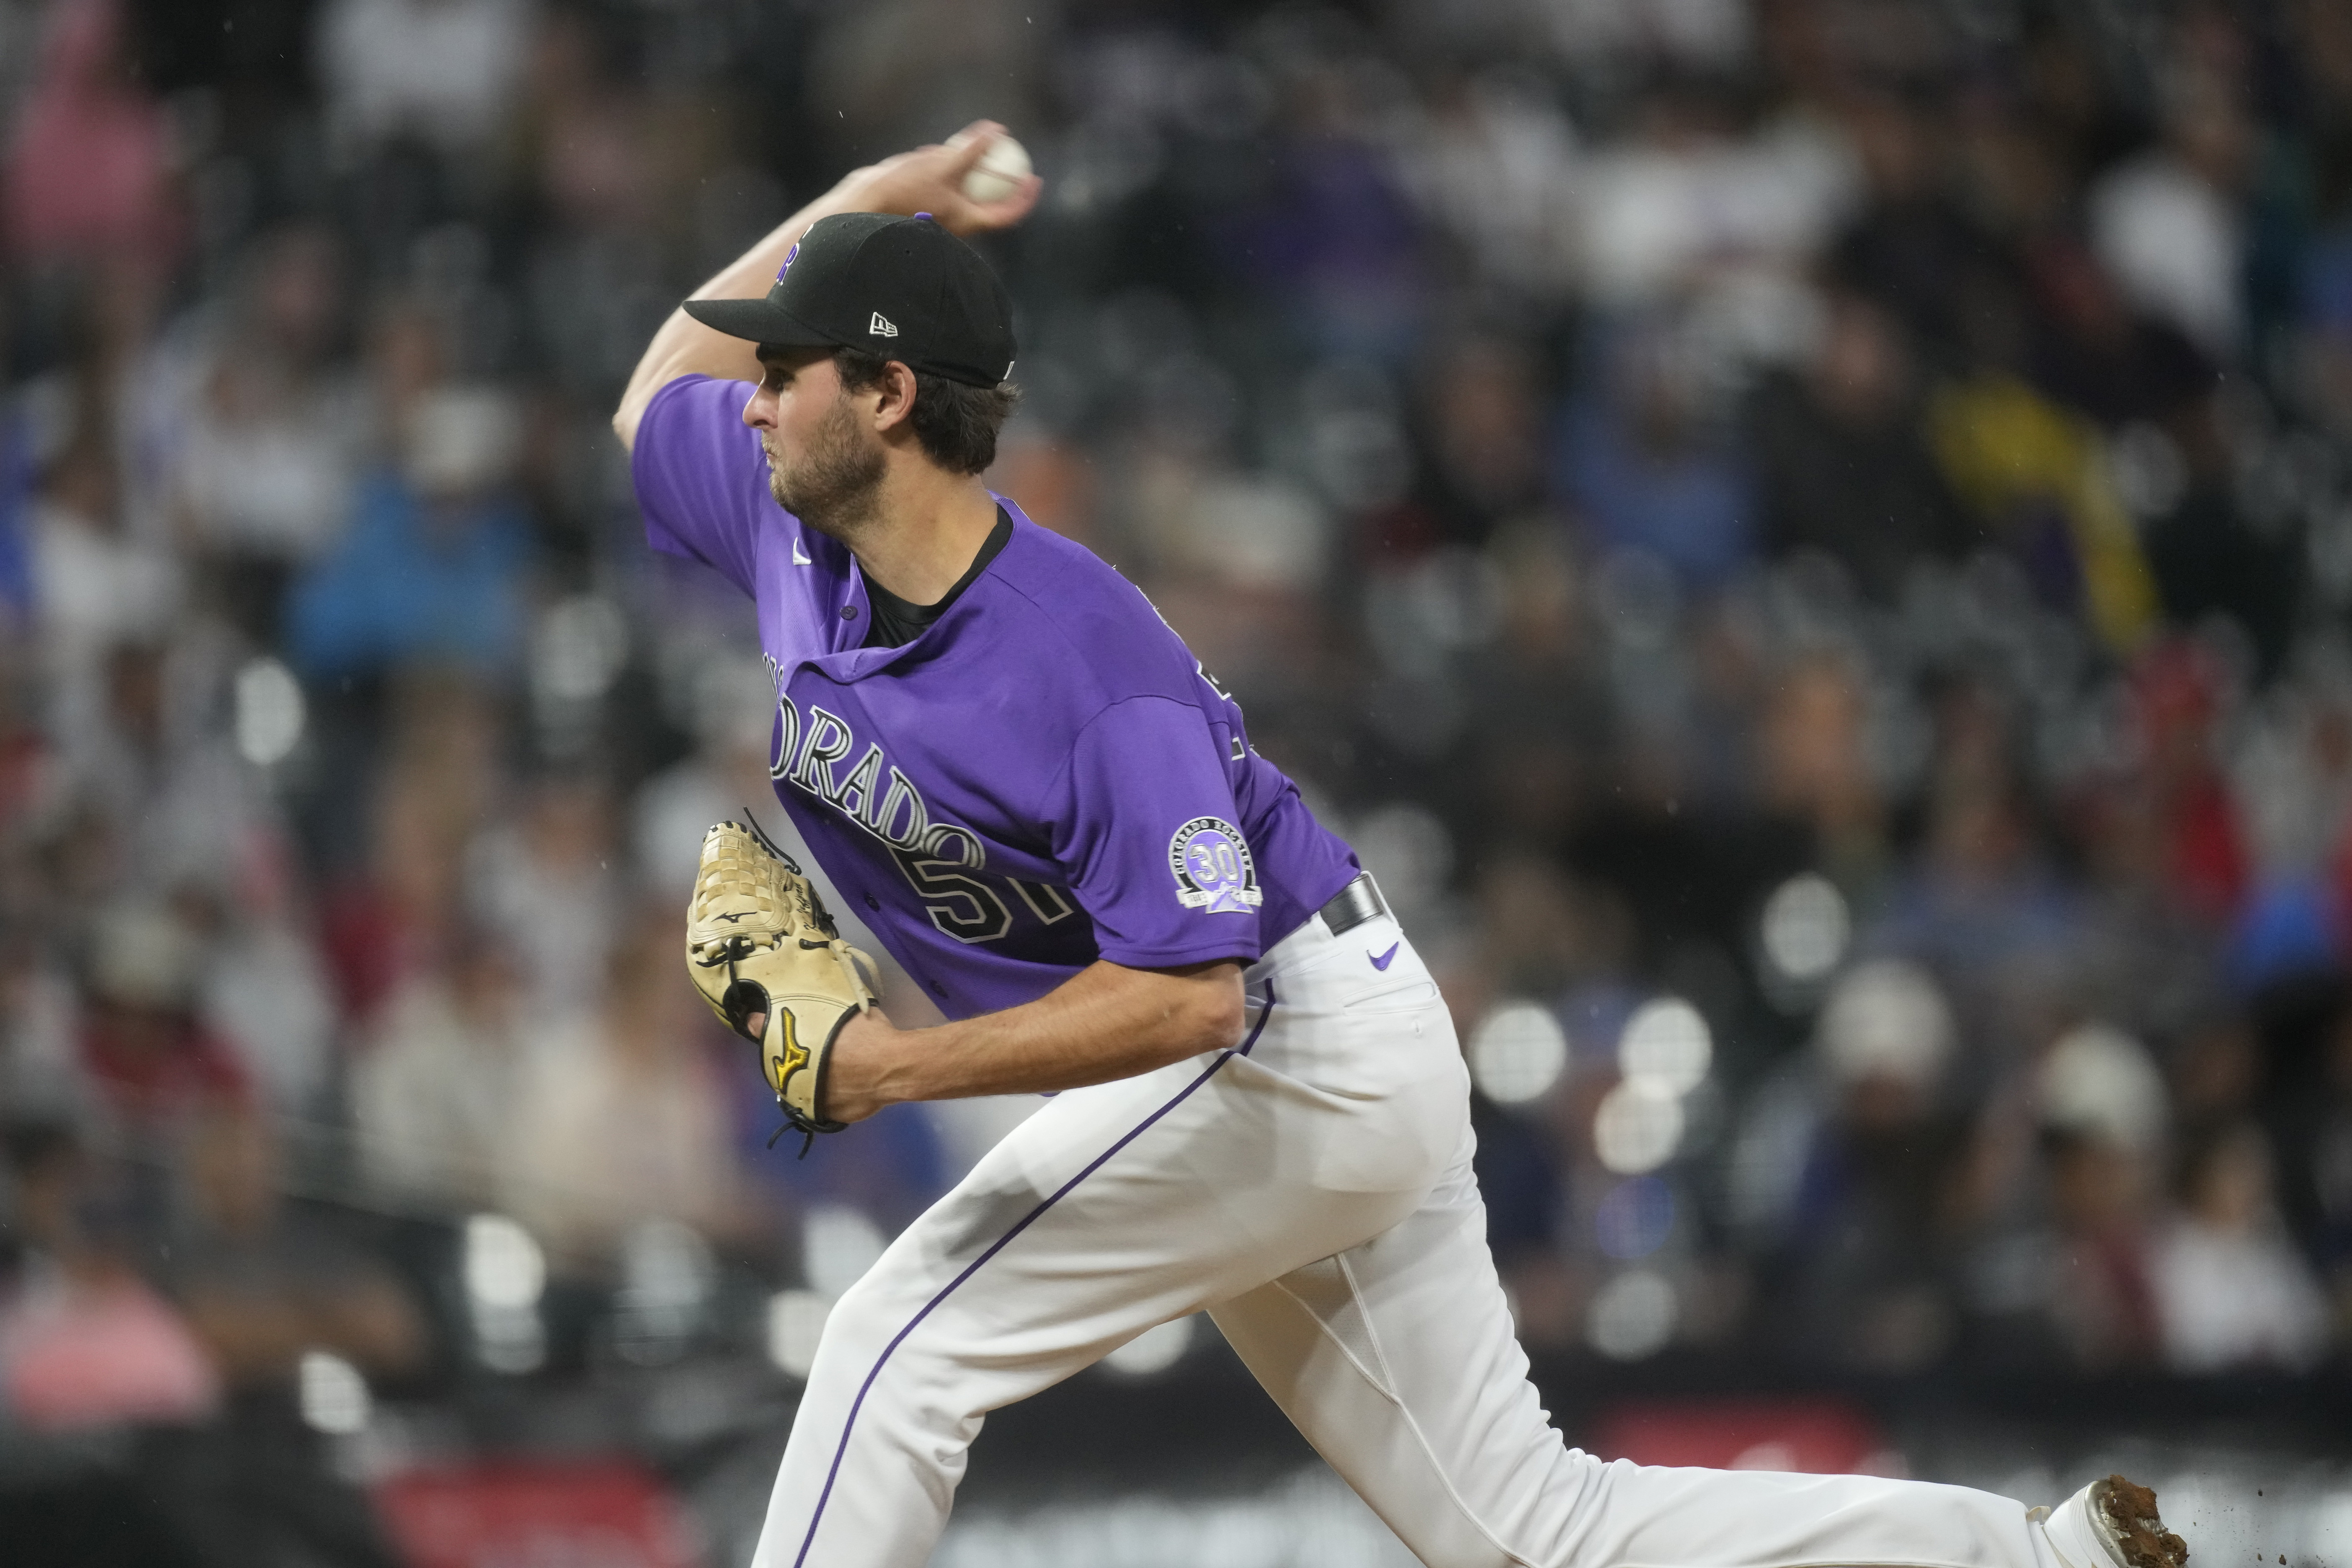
[1809,543]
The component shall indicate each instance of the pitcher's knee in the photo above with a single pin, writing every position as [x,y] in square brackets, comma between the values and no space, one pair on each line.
[881,1342]
[859,1329]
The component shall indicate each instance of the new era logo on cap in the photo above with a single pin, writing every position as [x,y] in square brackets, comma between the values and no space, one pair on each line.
[881,327]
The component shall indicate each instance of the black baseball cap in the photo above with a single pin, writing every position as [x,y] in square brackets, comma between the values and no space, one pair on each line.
[903,287]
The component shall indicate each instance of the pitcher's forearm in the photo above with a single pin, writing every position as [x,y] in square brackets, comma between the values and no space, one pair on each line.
[1106,1022]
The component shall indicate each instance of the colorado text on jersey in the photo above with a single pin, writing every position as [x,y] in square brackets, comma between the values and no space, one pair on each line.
[928,853]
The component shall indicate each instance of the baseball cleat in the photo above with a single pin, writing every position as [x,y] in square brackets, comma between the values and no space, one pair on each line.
[2112,1523]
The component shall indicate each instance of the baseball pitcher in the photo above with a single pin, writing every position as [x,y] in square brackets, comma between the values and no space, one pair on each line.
[1055,821]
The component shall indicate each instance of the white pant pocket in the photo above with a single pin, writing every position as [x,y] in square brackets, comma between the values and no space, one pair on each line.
[1405,996]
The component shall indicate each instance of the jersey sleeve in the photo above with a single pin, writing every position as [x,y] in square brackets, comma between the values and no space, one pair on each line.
[700,477]
[1141,818]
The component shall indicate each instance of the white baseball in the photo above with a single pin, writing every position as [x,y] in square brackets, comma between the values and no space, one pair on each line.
[999,173]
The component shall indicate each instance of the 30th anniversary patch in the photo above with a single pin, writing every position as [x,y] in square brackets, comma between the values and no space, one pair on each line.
[1215,873]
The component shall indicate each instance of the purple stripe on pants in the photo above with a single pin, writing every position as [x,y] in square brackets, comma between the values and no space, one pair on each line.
[998,1245]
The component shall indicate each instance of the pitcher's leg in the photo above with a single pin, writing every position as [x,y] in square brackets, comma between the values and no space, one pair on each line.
[1397,1360]
[1756,1519]
[1112,1210]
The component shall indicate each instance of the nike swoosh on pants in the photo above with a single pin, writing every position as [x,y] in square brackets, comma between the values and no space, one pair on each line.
[1383,961]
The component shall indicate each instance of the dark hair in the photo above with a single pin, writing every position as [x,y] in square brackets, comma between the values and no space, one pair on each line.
[956,422]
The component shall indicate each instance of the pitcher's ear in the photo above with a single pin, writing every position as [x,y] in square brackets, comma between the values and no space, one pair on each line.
[898,389]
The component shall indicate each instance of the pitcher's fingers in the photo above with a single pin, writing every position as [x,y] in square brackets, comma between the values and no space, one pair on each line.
[969,145]
[1006,211]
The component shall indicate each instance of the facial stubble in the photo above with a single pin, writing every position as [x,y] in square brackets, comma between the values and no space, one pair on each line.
[837,483]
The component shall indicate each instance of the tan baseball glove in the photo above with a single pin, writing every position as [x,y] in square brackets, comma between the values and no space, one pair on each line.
[757,939]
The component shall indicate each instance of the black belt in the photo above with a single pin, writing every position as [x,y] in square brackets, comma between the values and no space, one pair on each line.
[1354,904]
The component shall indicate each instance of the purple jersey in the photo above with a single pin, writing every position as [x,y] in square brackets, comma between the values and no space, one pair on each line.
[1044,777]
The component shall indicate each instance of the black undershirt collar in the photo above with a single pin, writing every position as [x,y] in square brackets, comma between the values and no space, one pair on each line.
[895,623]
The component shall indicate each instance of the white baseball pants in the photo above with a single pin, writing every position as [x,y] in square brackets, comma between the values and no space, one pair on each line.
[1311,1188]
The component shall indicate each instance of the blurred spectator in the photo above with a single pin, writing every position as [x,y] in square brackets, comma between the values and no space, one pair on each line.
[909,71]
[2102,1304]
[1910,246]
[441,72]
[154,1064]
[1240,557]
[1869,1231]
[264,434]
[265,988]
[2146,954]
[546,881]
[433,1091]
[2095,1081]
[264,1287]
[1484,412]
[1980,903]
[2033,473]
[432,566]
[1817,770]
[2211,554]
[2216,1071]
[2100,1113]
[1238,535]
[387,917]
[86,170]
[1546,934]
[1539,724]
[263,1283]
[2100,355]
[1641,460]
[621,1116]
[1684,203]
[41,1064]
[182,809]
[1498,166]
[2179,694]
[1841,464]
[2063,1194]
[96,588]
[1331,238]
[83,1341]
[2165,222]
[2231,1289]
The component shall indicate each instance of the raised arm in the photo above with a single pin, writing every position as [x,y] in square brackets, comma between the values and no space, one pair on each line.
[928,179]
